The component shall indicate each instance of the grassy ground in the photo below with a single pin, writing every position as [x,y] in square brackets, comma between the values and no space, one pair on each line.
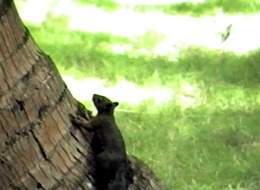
[196,9]
[106,4]
[212,145]
[206,7]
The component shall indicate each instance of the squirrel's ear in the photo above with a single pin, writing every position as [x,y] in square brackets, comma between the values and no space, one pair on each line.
[115,104]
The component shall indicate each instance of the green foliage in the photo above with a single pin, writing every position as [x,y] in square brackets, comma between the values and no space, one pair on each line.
[206,7]
[214,145]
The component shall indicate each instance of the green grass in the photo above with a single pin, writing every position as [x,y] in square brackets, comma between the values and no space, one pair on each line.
[206,7]
[214,145]
[105,4]
[197,148]
[196,9]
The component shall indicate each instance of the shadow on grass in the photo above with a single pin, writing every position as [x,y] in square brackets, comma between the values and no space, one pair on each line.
[206,7]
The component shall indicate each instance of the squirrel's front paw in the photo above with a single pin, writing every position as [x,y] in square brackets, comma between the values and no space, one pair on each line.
[74,119]
[77,120]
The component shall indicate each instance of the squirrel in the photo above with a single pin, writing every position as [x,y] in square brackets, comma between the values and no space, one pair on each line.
[107,144]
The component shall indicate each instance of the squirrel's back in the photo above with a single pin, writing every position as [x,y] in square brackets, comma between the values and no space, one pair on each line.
[109,135]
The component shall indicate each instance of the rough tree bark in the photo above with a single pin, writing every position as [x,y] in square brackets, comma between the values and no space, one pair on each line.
[37,149]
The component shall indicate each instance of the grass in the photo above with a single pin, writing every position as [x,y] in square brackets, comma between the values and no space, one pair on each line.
[105,4]
[198,148]
[206,7]
[213,145]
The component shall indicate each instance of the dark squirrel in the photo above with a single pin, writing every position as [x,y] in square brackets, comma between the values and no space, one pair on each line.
[107,144]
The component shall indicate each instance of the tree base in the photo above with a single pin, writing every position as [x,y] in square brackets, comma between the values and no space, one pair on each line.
[143,176]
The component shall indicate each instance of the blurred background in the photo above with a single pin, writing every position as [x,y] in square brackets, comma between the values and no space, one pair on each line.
[186,74]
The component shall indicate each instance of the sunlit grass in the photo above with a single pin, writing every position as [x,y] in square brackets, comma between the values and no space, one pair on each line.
[207,7]
[94,57]
[153,32]
[106,4]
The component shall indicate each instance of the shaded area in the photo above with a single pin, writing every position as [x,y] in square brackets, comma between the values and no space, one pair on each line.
[206,7]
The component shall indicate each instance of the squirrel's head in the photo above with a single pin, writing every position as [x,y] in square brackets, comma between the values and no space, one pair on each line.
[103,104]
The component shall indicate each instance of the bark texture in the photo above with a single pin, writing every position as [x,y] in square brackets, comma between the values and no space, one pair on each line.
[37,148]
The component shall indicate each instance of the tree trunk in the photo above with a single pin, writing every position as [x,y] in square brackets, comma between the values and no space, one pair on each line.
[37,148]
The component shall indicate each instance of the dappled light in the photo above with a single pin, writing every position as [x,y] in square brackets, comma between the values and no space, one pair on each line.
[175,29]
[185,72]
